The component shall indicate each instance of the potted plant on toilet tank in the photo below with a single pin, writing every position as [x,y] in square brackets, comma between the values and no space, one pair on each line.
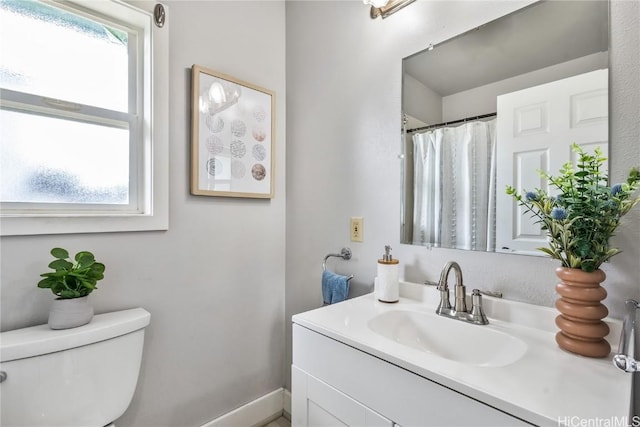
[72,282]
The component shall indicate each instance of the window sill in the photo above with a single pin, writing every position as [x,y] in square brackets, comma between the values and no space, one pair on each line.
[70,224]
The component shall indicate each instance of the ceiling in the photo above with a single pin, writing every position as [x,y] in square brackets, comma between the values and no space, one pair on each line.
[540,35]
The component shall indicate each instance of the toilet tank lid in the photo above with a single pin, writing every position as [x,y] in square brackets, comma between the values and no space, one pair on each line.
[39,340]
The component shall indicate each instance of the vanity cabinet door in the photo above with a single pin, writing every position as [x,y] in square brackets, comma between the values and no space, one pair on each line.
[317,404]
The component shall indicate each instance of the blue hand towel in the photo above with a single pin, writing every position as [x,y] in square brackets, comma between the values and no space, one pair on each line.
[335,287]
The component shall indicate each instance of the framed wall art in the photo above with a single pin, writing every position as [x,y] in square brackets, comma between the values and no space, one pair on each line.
[232,136]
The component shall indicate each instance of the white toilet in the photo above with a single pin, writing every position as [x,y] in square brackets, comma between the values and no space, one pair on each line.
[84,376]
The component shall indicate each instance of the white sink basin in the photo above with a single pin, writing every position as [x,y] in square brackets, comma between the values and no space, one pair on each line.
[449,338]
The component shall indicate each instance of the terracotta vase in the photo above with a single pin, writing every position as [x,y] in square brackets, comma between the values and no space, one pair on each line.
[582,330]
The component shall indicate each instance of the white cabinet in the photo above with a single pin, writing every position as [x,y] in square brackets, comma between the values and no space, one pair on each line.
[317,404]
[334,384]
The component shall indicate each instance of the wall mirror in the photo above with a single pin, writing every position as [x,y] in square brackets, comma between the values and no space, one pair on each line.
[489,108]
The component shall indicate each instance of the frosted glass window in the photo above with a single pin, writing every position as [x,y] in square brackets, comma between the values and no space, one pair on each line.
[70,120]
[83,117]
[51,52]
[62,161]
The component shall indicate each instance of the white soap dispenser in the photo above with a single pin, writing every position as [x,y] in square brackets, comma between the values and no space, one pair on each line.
[387,288]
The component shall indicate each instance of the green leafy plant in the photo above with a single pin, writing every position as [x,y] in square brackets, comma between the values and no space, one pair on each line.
[584,214]
[69,279]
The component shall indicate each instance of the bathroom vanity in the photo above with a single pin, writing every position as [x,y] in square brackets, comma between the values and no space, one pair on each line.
[367,363]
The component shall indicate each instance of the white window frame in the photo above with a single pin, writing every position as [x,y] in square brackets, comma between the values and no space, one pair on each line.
[152,173]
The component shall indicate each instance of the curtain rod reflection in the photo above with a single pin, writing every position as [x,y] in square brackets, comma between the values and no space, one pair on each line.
[468,119]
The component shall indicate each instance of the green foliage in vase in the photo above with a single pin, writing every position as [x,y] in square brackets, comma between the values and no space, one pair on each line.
[69,279]
[585,212]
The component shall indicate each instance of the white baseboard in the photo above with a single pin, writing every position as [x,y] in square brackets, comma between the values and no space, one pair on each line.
[256,413]
[287,404]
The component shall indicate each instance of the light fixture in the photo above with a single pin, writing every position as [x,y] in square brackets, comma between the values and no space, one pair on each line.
[385,8]
[376,3]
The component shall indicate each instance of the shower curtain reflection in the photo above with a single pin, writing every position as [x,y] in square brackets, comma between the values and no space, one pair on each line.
[454,186]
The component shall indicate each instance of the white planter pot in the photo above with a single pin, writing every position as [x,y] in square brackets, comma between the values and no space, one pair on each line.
[70,313]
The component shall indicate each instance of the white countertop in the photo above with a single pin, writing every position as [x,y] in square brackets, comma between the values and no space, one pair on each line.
[547,386]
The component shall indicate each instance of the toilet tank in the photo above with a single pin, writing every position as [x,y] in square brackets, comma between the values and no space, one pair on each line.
[84,376]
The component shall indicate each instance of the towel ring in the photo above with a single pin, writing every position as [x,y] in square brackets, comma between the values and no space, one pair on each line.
[345,254]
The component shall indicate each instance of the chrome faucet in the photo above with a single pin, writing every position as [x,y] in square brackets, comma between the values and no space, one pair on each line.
[459,310]
[444,308]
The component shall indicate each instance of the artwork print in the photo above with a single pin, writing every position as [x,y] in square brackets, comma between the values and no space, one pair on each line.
[232,137]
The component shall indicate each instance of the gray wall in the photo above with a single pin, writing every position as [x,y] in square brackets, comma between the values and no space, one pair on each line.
[477,101]
[213,283]
[343,131]
[420,101]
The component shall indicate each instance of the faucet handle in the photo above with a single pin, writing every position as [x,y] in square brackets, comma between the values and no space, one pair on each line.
[477,313]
